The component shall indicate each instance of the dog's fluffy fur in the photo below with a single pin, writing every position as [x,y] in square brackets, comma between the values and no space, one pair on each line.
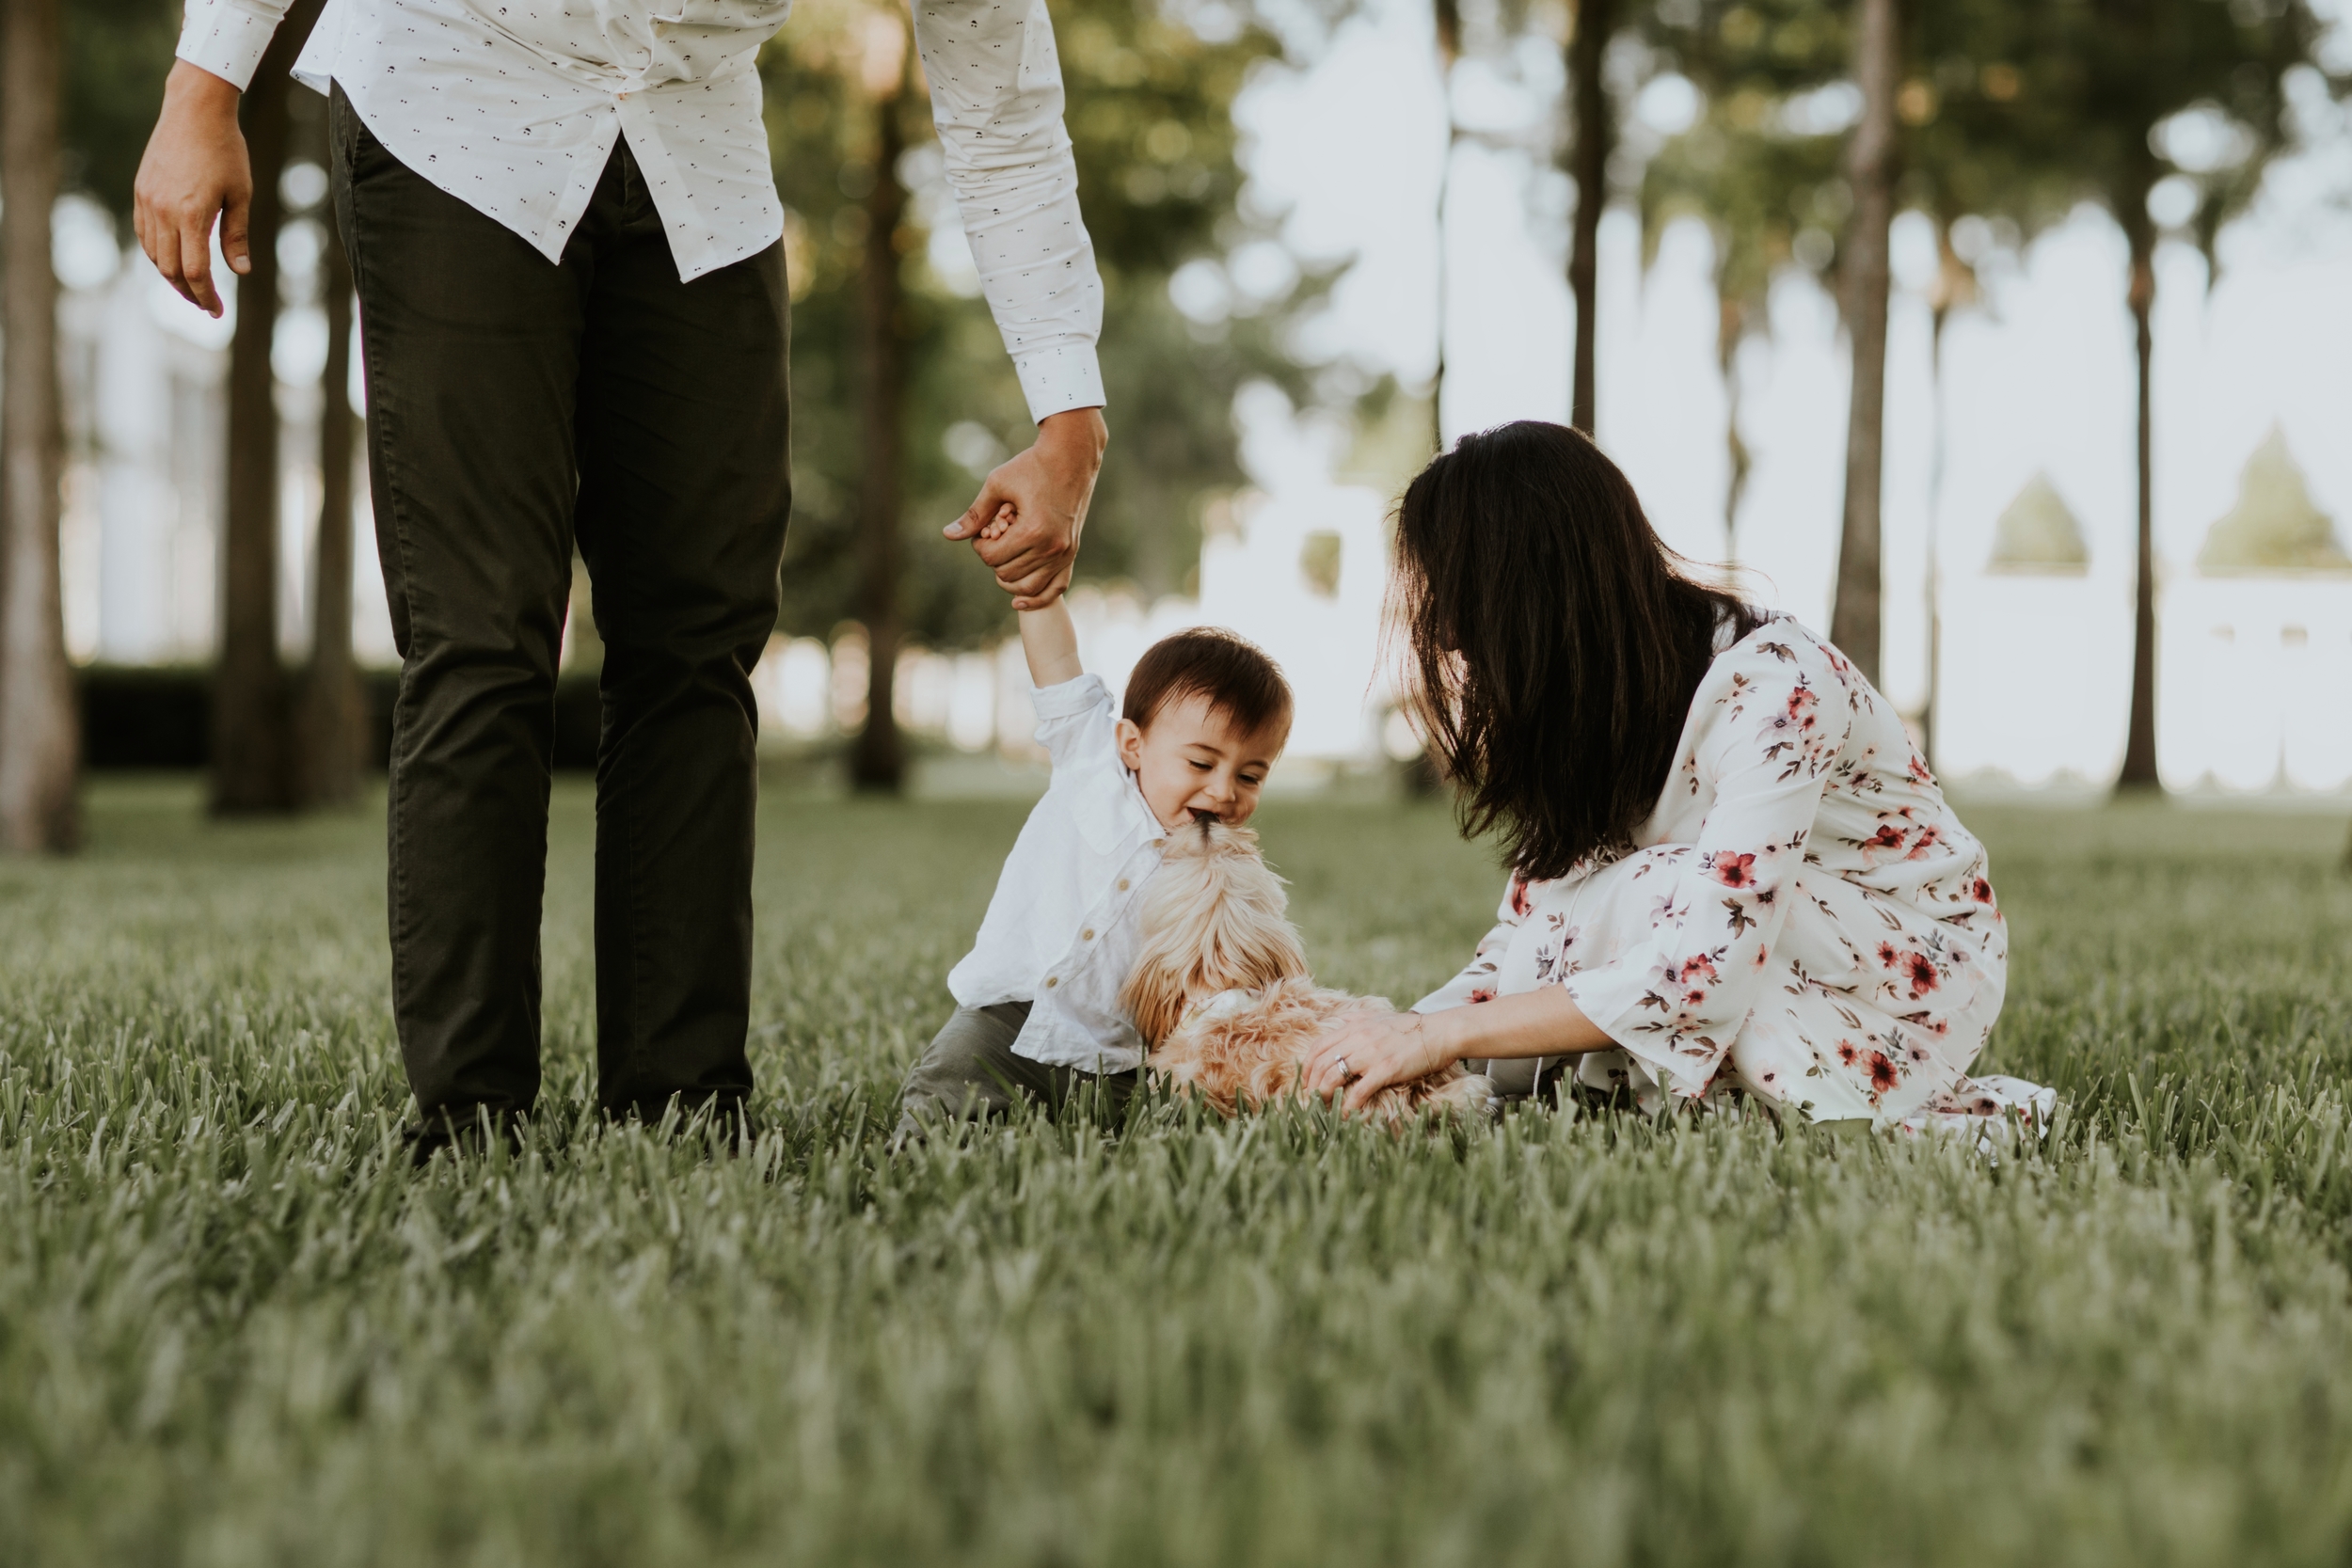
[1220,990]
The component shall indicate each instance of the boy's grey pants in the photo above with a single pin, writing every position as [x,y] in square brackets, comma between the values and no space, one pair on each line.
[971,1070]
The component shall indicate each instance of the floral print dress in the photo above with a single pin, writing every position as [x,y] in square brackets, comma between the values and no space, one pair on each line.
[1804,921]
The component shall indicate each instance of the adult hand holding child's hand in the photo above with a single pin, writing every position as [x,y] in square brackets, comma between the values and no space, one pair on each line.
[1048,488]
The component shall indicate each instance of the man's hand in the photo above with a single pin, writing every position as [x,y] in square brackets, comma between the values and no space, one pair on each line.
[195,170]
[1048,487]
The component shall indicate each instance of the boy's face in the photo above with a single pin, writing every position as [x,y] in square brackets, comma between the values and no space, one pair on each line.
[1192,759]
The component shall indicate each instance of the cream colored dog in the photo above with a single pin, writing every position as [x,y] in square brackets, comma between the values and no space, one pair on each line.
[1220,990]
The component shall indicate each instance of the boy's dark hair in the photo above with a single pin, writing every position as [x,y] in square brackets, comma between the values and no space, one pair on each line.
[1236,677]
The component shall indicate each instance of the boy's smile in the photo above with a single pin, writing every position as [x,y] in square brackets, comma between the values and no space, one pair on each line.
[1192,760]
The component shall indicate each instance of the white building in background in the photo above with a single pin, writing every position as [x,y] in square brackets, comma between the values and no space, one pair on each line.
[144,378]
[2253,656]
[1302,576]
[2259,641]
[2255,674]
[142,375]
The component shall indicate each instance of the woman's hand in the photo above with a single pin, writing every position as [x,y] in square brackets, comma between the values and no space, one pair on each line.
[1371,1051]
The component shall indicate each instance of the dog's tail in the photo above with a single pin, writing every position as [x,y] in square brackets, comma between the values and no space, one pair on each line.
[1211,921]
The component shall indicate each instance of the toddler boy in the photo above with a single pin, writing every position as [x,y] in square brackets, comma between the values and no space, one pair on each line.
[1037,998]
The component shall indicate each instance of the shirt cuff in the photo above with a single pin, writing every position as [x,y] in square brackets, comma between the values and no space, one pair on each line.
[1055,380]
[1070,698]
[227,38]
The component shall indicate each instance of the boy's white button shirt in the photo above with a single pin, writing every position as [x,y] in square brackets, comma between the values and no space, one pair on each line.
[1061,933]
[512,106]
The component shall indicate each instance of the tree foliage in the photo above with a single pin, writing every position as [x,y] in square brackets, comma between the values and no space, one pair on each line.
[1150,102]
[117,54]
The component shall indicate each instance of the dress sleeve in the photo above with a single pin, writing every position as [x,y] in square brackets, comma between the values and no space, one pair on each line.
[1677,996]
[229,37]
[996,98]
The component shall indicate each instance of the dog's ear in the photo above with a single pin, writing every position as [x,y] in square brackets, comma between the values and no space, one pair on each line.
[1154,997]
[1211,921]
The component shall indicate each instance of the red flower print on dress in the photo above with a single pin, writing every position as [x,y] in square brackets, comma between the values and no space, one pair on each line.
[1801,705]
[1478,996]
[1882,1073]
[1732,870]
[1847,1053]
[1889,956]
[1983,891]
[1918,771]
[1889,837]
[1520,903]
[1922,974]
[1696,965]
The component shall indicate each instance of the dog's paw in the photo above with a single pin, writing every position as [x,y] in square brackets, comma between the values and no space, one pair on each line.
[1480,1095]
[1470,1095]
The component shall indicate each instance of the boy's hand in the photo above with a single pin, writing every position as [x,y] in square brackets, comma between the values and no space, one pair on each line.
[1048,487]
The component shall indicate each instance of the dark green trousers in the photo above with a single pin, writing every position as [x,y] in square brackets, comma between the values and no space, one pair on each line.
[516,405]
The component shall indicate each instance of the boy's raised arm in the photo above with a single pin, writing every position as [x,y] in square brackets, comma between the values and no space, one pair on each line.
[1050,638]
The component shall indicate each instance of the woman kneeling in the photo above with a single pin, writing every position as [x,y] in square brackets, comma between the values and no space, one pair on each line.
[1731,874]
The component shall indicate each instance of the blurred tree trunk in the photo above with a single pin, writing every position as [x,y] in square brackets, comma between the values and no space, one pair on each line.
[252,751]
[1447,18]
[1955,287]
[329,720]
[879,762]
[1940,314]
[1870,172]
[1588,166]
[1731,327]
[39,731]
[2139,745]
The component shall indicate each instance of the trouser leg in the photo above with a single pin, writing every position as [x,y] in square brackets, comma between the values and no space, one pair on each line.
[972,1071]
[1527,1077]
[684,492]
[472,351]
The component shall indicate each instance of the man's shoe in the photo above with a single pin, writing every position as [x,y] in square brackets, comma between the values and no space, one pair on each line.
[722,1119]
[464,1133]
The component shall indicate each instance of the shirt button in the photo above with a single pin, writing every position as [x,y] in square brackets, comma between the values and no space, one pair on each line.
[1051,982]
[1122,884]
[1086,935]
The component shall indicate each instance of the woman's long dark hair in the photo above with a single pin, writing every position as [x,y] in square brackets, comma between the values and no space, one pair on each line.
[1554,645]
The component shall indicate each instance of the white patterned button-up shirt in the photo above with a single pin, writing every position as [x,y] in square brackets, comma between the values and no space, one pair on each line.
[1061,933]
[513,107]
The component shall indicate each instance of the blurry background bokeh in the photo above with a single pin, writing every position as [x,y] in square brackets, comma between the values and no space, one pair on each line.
[1332,236]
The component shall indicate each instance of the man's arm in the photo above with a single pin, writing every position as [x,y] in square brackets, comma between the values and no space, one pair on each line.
[196,168]
[996,99]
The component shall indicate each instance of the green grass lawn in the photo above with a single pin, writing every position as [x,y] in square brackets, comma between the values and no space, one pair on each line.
[236,1330]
